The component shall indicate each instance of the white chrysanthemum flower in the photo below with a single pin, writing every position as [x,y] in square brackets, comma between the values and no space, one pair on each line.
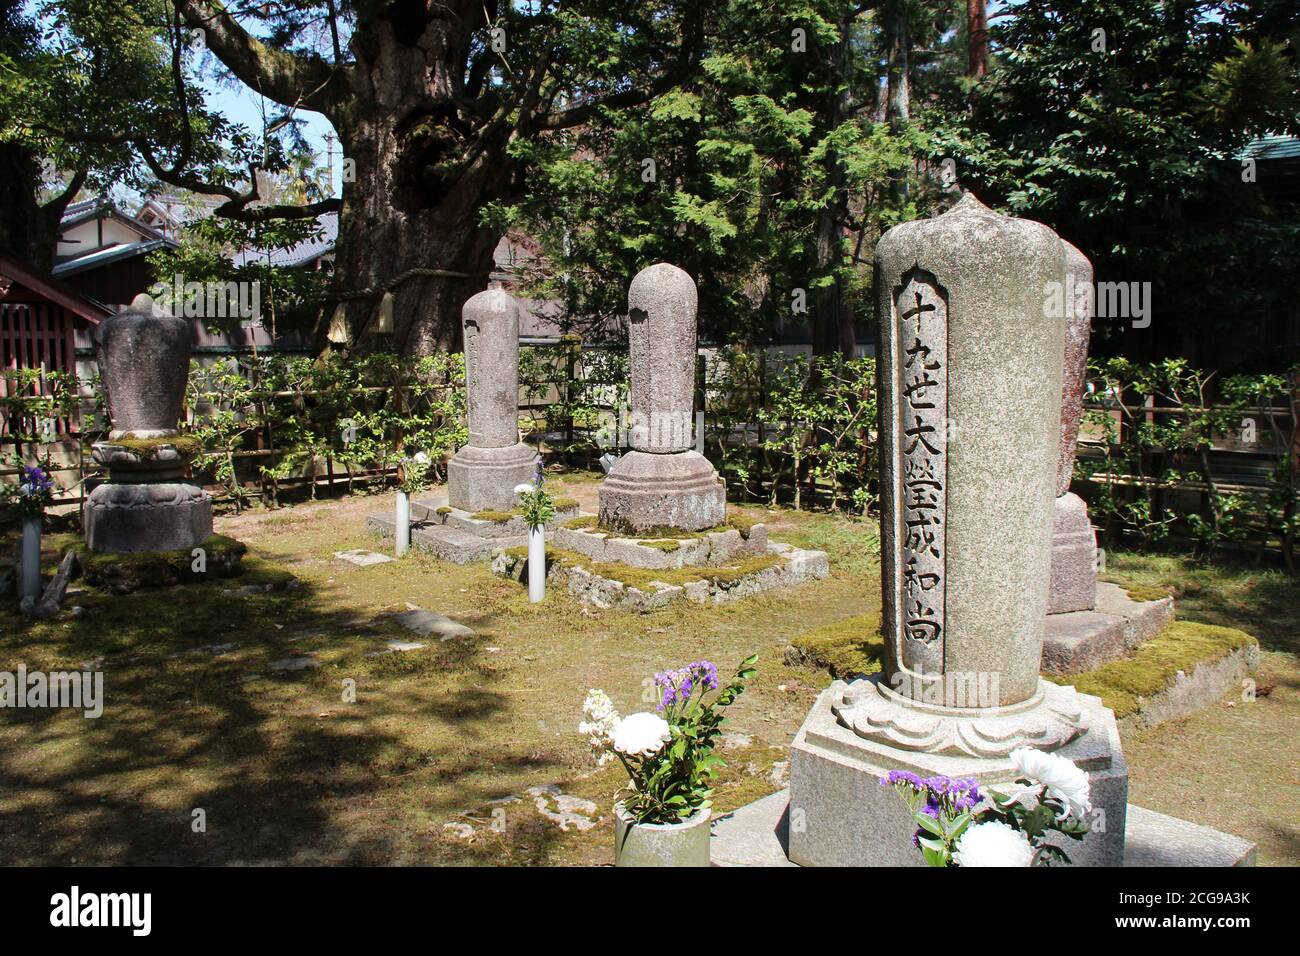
[993,844]
[641,735]
[599,728]
[524,489]
[421,457]
[1061,778]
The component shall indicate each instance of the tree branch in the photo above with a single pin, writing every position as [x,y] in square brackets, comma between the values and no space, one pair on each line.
[287,79]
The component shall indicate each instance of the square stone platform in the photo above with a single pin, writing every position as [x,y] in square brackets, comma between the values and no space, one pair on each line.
[457,536]
[686,550]
[758,835]
[1079,641]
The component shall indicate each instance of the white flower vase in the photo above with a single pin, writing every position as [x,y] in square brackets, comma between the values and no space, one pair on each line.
[661,844]
[536,563]
[403,523]
[31,562]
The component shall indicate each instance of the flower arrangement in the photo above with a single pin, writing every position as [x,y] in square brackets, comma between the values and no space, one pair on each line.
[35,490]
[535,504]
[960,826]
[415,473]
[668,754]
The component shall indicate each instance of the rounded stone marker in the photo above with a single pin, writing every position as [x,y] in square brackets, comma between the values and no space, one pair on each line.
[661,305]
[662,482]
[970,436]
[484,473]
[490,320]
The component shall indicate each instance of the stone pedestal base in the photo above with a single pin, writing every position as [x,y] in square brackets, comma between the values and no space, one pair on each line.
[840,815]
[153,516]
[645,491]
[1074,557]
[483,479]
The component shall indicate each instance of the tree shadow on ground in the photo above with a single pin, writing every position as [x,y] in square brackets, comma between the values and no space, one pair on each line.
[205,754]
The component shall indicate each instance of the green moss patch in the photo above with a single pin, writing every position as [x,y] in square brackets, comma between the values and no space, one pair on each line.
[566,504]
[186,446]
[496,517]
[582,522]
[1180,647]
[1144,592]
[443,510]
[846,648]
[643,579]
[666,546]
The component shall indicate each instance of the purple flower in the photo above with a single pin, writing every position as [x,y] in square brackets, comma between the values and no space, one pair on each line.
[677,685]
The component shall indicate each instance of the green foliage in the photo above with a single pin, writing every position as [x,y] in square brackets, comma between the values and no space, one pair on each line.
[1140,455]
[1128,142]
[726,176]
[794,424]
[674,784]
[357,411]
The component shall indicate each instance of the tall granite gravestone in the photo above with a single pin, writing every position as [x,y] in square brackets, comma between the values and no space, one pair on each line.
[144,360]
[971,372]
[662,482]
[484,473]
[1074,545]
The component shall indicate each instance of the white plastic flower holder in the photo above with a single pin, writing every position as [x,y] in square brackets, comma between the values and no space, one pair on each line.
[536,563]
[403,523]
[31,560]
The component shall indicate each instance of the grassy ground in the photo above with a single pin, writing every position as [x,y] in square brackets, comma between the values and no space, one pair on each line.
[1236,765]
[286,770]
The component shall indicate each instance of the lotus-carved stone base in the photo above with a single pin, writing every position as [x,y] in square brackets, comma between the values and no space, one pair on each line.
[1050,719]
[124,518]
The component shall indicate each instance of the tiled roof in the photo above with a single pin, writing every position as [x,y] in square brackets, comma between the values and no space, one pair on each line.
[297,255]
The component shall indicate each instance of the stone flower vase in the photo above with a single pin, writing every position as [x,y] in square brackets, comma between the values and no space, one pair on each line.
[536,563]
[402,529]
[661,844]
[31,559]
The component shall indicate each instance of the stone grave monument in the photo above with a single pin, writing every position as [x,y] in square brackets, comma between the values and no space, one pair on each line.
[475,518]
[971,372]
[662,482]
[144,360]
[484,473]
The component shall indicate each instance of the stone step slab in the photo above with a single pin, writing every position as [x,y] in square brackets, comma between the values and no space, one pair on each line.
[757,835]
[1079,641]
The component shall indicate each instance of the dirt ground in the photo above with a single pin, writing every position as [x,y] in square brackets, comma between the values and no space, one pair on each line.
[213,749]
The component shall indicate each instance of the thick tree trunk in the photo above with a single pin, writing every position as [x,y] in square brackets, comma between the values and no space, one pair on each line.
[29,231]
[832,320]
[977,37]
[413,204]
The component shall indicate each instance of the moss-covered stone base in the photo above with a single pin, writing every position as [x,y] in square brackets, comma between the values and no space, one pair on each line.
[124,573]
[849,648]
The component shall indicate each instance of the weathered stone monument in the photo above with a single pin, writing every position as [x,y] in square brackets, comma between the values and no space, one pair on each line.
[1089,622]
[144,360]
[484,473]
[662,482]
[970,432]
[1074,545]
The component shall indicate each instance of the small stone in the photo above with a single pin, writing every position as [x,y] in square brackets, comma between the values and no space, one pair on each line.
[429,624]
[736,741]
[565,810]
[361,557]
[299,663]
[461,831]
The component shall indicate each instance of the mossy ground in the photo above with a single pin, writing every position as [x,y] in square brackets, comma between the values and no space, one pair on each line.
[645,579]
[288,772]
[846,648]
